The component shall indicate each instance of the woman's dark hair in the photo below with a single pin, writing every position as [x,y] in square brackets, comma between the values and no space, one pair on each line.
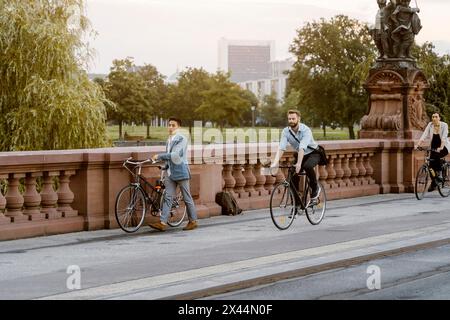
[176,120]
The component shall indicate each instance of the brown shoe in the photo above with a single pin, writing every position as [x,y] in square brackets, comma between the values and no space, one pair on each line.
[158,226]
[191,225]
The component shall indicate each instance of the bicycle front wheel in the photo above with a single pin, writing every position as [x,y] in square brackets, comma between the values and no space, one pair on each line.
[422,180]
[444,186]
[178,210]
[316,208]
[130,208]
[282,206]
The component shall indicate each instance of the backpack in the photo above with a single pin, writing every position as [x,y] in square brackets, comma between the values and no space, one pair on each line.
[228,203]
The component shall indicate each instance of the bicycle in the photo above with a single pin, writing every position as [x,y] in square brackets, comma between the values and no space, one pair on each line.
[132,201]
[426,174]
[283,206]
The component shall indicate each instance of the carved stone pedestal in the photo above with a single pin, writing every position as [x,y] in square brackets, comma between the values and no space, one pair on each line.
[396,104]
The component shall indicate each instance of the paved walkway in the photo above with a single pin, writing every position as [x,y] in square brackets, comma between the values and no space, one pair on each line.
[225,253]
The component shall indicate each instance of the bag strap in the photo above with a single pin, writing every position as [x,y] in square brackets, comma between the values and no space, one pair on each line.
[293,135]
[296,139]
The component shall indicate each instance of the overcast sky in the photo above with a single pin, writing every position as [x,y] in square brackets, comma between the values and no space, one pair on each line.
[180,33]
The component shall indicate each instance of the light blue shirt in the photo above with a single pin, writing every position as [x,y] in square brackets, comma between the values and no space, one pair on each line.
[304,135]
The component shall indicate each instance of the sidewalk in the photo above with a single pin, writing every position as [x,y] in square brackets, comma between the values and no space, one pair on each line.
[224,253]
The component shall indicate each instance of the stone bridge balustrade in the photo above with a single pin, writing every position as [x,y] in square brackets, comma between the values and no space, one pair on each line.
[51,192]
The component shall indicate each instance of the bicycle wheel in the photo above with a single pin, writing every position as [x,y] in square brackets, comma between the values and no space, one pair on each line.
[316,208]
[282,206]
[130,208]
[444,186]
[178,210]
[422,181]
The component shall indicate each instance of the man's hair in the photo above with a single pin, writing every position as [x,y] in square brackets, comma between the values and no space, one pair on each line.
[176,120]
[292,111]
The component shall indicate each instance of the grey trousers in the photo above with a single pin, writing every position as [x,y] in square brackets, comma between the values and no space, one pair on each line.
[171,188]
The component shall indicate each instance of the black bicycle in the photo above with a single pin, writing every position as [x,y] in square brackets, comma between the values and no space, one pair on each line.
[283,206]
[134,199]
[426,175]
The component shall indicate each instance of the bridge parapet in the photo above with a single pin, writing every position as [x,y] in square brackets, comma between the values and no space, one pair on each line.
[51,192]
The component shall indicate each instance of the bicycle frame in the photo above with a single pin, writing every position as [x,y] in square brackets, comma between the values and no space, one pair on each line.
[291,172]
[138,179]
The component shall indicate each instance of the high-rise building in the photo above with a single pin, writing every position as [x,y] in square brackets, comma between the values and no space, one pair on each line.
[246,59]
[275,83]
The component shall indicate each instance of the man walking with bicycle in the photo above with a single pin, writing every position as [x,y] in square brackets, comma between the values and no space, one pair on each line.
[300,137]
[177,174]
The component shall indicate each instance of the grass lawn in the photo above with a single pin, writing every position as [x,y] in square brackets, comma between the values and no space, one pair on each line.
[160,133]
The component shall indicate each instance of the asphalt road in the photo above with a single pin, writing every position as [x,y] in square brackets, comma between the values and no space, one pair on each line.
[224,251]
[421,275]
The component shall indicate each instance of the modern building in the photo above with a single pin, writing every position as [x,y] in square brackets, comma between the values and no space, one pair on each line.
[246,59]
[276,82]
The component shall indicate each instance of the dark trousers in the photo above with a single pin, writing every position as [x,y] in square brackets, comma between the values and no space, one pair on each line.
[310,161]
[435,162]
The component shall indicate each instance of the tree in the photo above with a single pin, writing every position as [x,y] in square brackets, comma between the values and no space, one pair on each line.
[46,98]
[271,111]
[127,89]
[437,70]
[155,93]
[184,98]
[333,61]
[247,115]
[223,102]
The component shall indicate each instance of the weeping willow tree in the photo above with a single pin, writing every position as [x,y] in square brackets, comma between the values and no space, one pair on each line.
[46,99]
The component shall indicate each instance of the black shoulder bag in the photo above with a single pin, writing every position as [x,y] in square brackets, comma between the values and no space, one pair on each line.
[320,150]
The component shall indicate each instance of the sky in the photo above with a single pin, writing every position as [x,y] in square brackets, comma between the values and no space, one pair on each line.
[171,34]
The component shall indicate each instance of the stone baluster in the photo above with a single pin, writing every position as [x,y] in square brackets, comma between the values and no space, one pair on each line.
[339,171]
[354,169]
[280,176]
[369,168]
[49,197]
[3,219]
[239,178]
[14,199]
[347,170]
[32,199]
[250,179]
[323,175]
[362,170]
[331,172]
[260,179]
[230,182]
[270,181]
[65,195]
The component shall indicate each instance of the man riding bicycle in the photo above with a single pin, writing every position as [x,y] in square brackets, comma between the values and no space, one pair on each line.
[300,137]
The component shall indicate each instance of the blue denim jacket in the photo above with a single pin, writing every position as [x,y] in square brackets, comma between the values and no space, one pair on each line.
[176,158]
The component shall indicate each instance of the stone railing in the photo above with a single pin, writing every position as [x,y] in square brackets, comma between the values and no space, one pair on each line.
[66,191]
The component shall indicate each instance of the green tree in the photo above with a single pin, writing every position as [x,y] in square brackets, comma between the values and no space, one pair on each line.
[272,112]
[223,102]
[437,70]
[184,98]
[247,115]
[333,60]
[127,89]
[155,93]
[46,98]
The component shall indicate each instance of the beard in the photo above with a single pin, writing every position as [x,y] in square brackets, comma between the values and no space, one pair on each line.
[293,125]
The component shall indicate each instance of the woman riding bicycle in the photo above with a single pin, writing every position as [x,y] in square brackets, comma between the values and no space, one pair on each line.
[440,145]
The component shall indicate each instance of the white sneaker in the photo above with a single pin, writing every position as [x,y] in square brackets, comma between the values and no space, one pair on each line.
[317,194]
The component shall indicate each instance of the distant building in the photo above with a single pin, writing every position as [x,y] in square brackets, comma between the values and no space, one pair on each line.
[276,82]
[246,59]
[173,79]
